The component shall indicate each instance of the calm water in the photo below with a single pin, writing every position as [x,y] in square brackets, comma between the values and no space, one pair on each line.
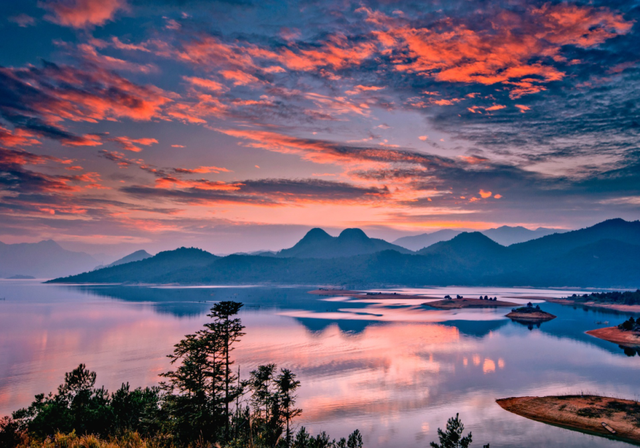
[394,369]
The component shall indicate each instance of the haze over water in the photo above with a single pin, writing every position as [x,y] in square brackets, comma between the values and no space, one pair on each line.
[393,369]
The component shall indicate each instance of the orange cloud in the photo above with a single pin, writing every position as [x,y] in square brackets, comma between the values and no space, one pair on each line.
[85,140]
[506,53]
[239,77]
[129,144]
[205,83]
[201,170]
[485,194]
[18,137]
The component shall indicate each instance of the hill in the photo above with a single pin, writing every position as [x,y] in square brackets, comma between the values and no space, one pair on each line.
[135,256]
[319,244]
[145,271]
[45,259]
[582,258]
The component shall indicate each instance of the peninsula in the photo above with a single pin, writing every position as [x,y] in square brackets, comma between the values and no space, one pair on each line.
[613,418]
[626,334]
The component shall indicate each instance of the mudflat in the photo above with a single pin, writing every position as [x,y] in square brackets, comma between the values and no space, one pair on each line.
[613,418]
[365,294]
[450,304]
[614,334]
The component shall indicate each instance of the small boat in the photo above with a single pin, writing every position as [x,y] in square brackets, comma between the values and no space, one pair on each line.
[608,428]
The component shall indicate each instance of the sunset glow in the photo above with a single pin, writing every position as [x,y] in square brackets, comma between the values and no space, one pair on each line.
[169,124]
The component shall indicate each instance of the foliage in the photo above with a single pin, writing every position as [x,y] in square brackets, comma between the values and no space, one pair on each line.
[617,297]
[527,309]
[452,437]
[201,403]
[630,325]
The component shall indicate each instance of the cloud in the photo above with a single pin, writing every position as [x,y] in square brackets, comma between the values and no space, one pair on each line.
[18,137]
[207,84]
[82,13]
[130,144]
[40,100]
[16,179]
[23,20]
[265,192]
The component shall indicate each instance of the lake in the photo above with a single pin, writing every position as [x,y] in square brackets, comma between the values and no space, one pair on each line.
[394,369]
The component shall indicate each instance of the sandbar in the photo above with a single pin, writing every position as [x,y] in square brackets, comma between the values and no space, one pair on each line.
[613,418]
[614,334]
[367,295]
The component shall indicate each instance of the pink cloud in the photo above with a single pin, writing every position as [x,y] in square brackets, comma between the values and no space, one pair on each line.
[82,13]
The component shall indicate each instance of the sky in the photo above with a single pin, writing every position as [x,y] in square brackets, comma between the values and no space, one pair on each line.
[239,125]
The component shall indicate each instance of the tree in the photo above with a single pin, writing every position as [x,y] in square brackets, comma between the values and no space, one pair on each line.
[260,381]
[287,385]
[229,331]
[453,437]
[201,389]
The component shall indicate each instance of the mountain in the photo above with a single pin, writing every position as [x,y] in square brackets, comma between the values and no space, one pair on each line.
[45,259]
[319,244]
[606,255]
[150,270]
[613,229]
[423,240]
[135,256]
[504,235]
[507,235]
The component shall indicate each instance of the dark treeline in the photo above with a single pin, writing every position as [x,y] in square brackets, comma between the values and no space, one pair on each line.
[619,297]
[201,403]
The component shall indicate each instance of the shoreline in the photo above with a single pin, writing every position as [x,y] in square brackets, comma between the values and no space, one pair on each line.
[583,413]
[597,305]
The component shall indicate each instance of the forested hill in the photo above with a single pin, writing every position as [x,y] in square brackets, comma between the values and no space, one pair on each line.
[605,255]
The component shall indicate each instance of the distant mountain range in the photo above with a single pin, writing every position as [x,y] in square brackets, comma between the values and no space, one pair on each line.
[45,259]
[504,235]
[605,255]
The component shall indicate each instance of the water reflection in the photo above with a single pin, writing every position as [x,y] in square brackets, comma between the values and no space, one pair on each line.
[395,370]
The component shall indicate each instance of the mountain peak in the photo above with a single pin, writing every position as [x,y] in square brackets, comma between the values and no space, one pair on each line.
[316,234]
[353,234]
[473,238]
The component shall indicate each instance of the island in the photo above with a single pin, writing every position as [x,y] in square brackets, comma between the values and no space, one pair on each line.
[458,303]
[613,418]
[625,301]
[530,314]
[627,334]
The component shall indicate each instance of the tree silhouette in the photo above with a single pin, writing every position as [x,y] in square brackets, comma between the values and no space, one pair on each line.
[202,387]
[453,437]
[287,385]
